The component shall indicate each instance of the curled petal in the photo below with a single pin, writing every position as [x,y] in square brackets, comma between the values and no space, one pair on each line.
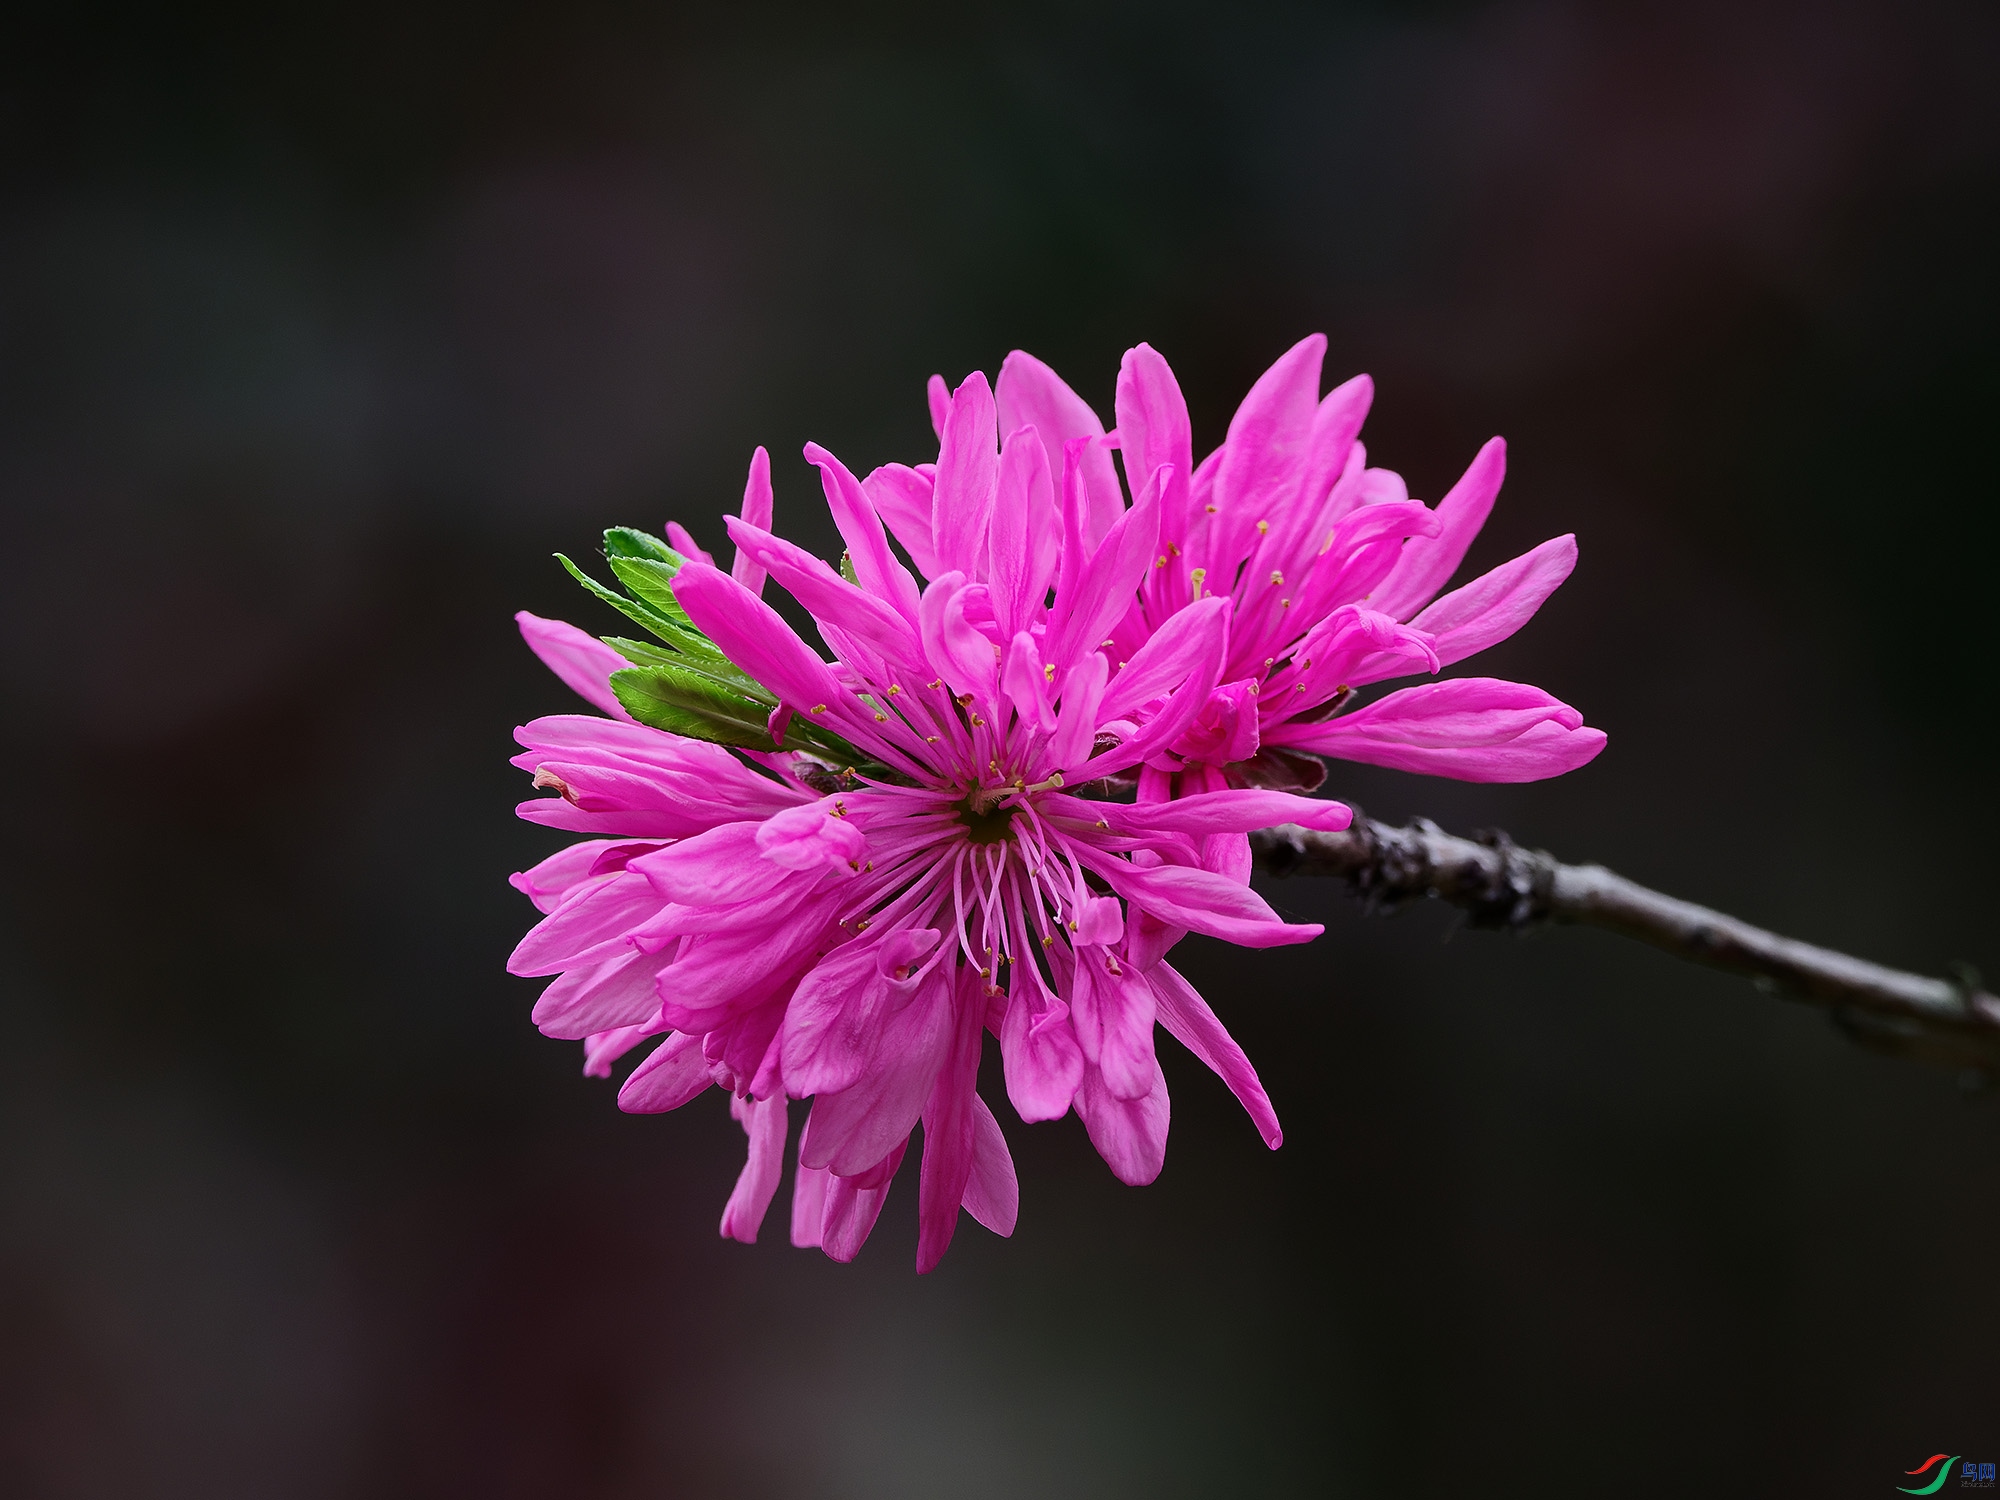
[1470,728]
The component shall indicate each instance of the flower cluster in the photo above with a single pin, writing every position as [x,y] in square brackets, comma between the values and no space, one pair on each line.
[1015,786]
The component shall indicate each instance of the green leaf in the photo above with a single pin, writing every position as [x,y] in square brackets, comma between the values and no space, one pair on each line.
[679,633]
[652,583]
[684,702]
[847,567]
[625,541]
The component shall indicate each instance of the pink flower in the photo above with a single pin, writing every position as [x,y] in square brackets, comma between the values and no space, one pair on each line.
[1332,572]
[893,858]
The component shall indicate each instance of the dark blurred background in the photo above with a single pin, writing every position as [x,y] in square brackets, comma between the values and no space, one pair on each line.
[321,327]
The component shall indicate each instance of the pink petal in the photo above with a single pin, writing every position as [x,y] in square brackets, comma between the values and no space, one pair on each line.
[601,997]
[1023,541]
[1427,563]
[1117,1010]
[673,1074]
[1203,902]
[853,1204]
[1030,394]
[855,1128]
[1042,1060]
[757,511]
[834,1024]
[968,463]
[875,566]
[1131,1135]
[596,916]
[1153,428]
[683,543]
[1026,685]
[938,394]
[993,1192]
[829,598]
[1265,456]
[1470,728]
[903,497]
[809,1186]
[602,1049]
[764,1122]
[547,883]
[1187,1016]
[583,662]
[1210,812]
[813,838]
[1496,604]
[950,1129]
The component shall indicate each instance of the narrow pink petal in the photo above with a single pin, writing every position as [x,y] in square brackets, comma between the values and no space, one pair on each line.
[764,1122]
[1205,656]
[1021,555]
[602,1049]
[712,869]
[601,997]
[813,837]
[679,539]
[1203,902]
[1163,663]
[950,1128]
[1131,1135]
[1027,686]
[968,464]
[938,394]
[903,498]
[1153,427]
[993,1192]
[757,511]
[1194,1025]
[1030,394]
[583,662]
[753,635]
[1427,563]
[854,1203]
[596,916]
[1209,813]
[809,1186]
[1078,717]
[1264,458]
[875,566]
[1496,604]
[1106,582]
[673,1074]
[547,883]
[829,597]
[1470,728]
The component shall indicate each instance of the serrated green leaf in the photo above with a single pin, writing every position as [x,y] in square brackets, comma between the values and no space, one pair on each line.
[719,669]
[634,610]
[641,653]
[628,541]
[652,583]
[679,633]
[673,698]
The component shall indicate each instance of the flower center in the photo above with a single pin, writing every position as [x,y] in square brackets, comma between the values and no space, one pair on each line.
[984,823]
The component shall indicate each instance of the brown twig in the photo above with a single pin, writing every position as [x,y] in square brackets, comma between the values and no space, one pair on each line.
[1952,1022]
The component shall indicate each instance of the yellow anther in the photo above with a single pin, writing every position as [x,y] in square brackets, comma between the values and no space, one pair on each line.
[1211,509]
[881,718]
[1049,672]
[821,709]
[1161,563]
[1263,528]
[1276,578]
[893,690]
[977,722]
[1195,577]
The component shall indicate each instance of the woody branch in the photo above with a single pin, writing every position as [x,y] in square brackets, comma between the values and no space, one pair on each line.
[1951,1022]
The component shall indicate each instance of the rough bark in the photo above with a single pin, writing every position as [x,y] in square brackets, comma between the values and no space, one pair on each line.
[1951,1022]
